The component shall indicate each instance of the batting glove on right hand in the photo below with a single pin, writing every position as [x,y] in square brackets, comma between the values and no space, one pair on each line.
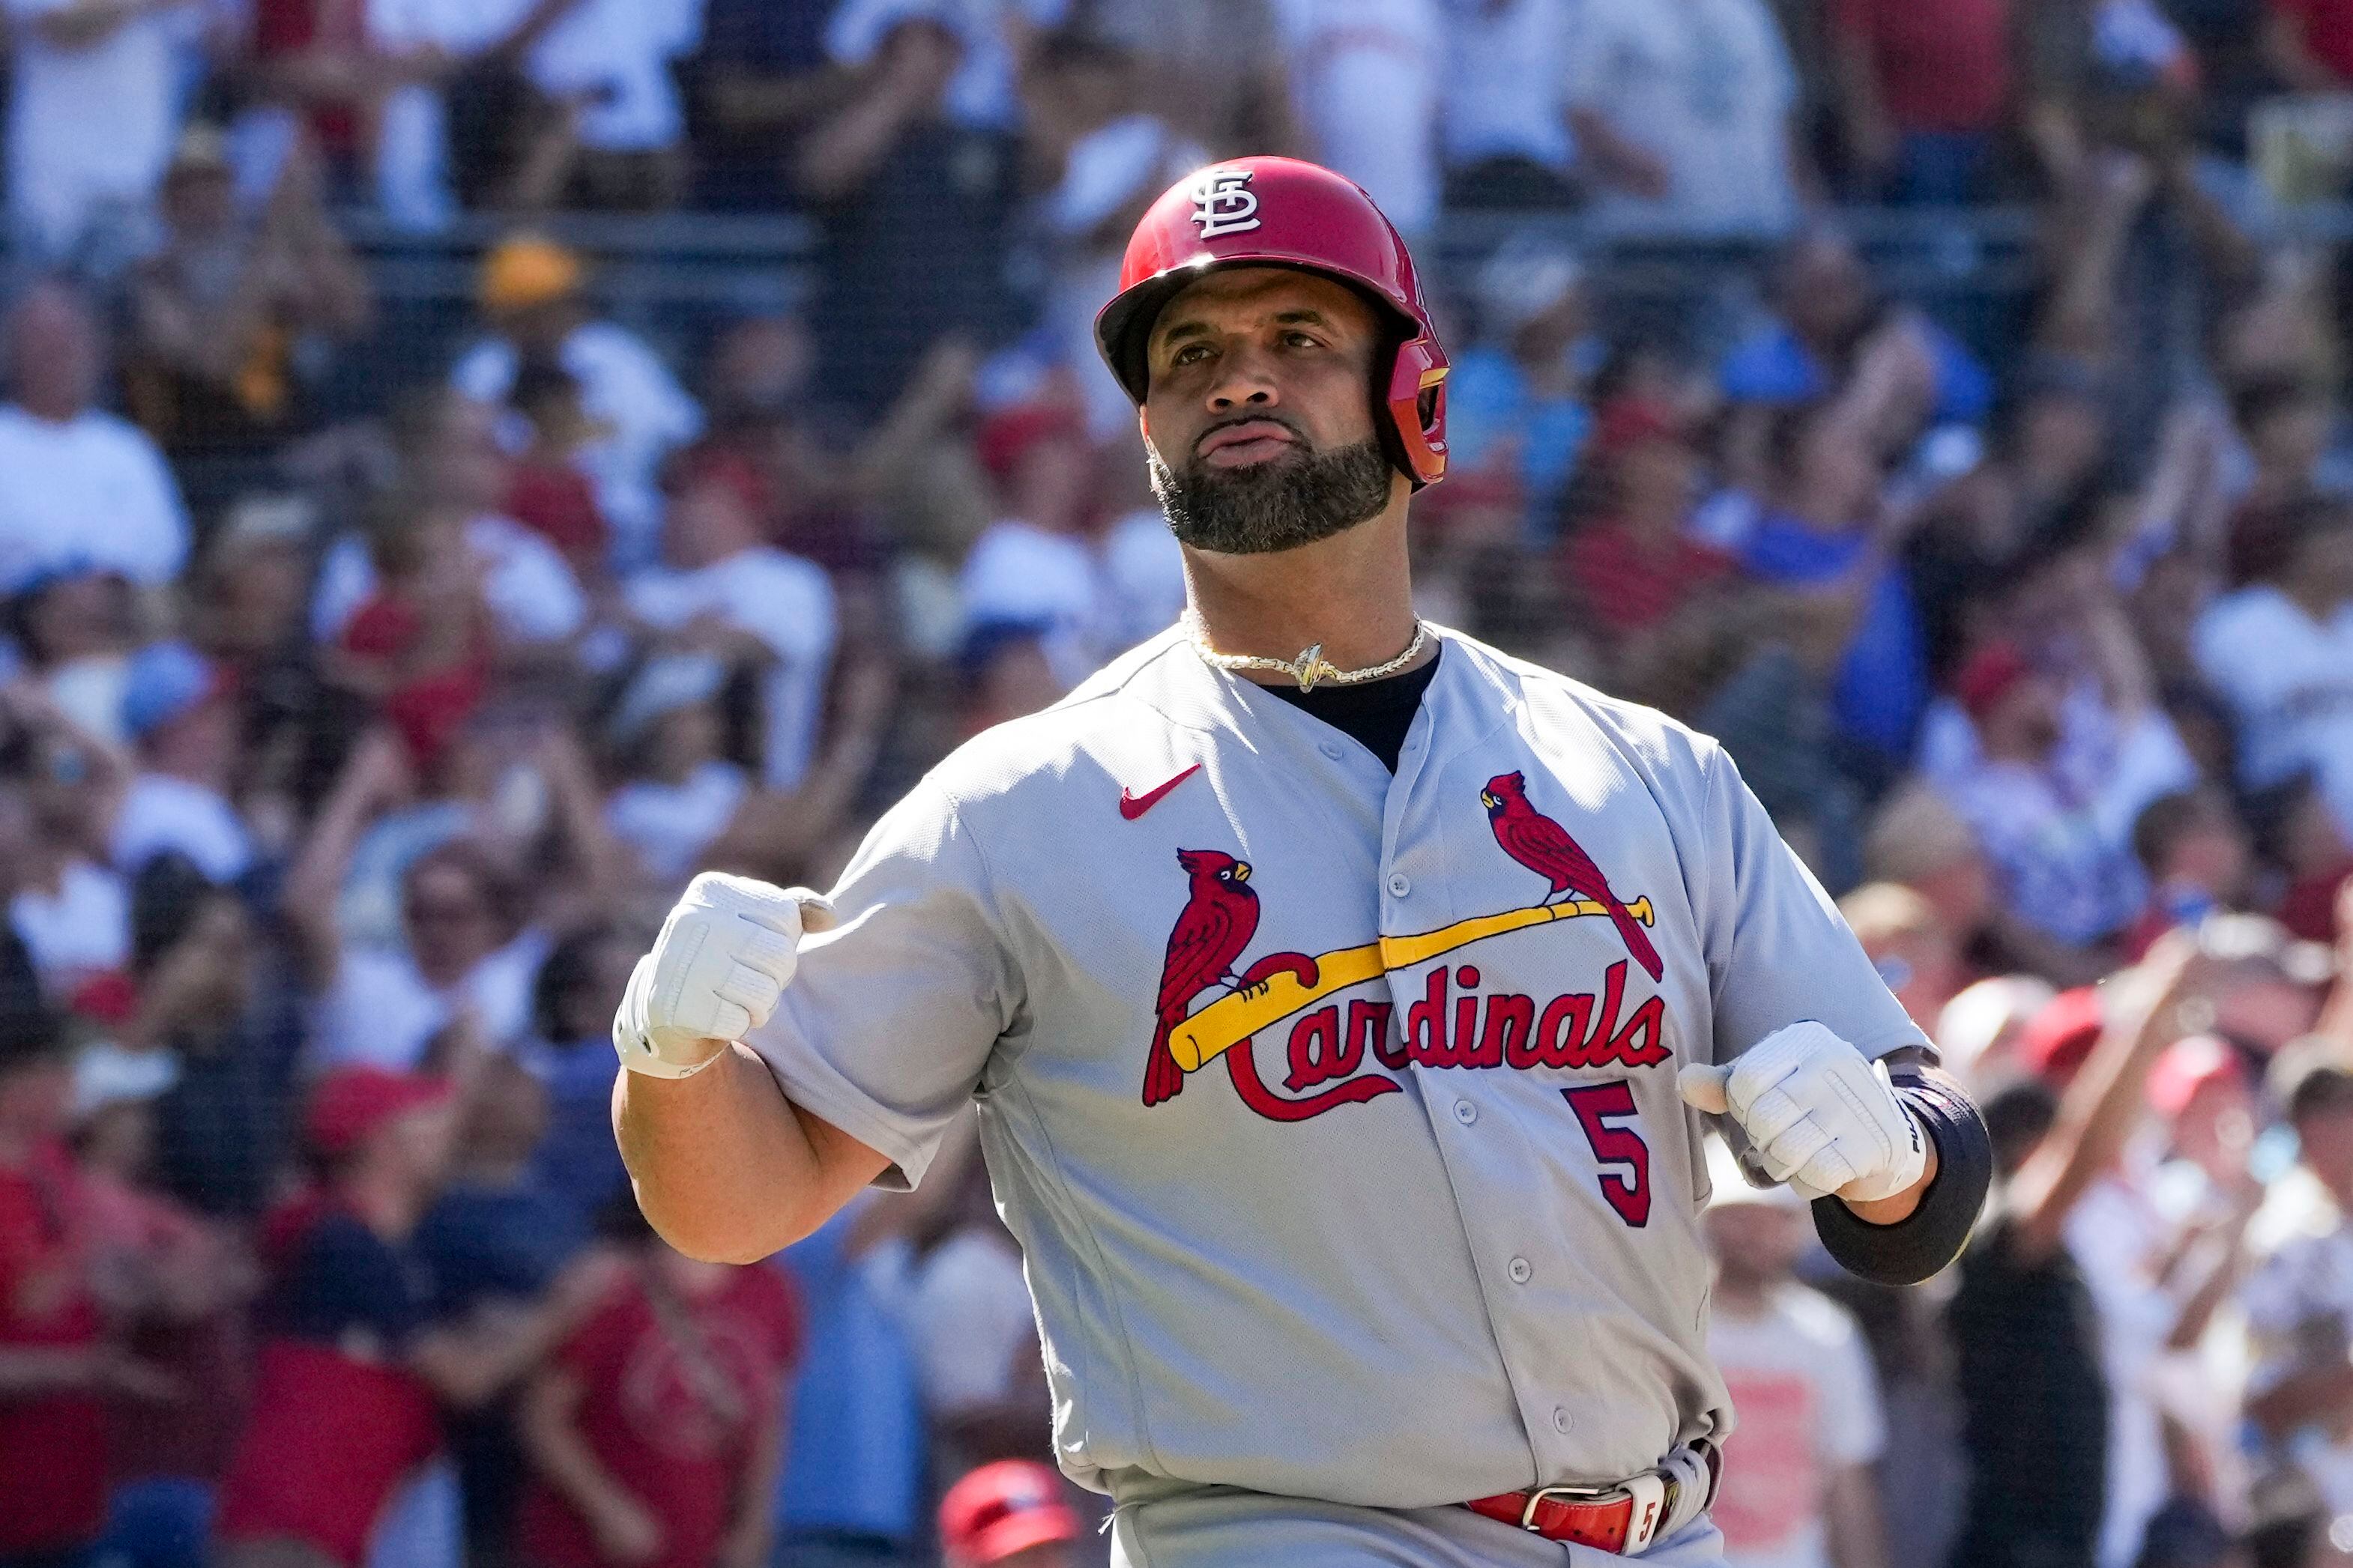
[1820,1114]
[716,972]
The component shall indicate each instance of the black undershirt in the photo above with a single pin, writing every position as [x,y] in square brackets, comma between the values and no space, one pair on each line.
[1376,713]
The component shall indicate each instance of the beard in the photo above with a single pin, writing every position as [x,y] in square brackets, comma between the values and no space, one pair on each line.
[1280,504]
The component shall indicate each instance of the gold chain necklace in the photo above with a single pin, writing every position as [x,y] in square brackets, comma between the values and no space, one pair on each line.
[1310,668]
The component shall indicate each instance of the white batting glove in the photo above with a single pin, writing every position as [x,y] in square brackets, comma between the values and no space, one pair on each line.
[724,959]
[1823,1117]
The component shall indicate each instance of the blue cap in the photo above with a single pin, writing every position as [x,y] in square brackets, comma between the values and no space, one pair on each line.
[165,680]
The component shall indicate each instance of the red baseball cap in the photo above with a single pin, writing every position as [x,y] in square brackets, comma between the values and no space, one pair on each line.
[2188,1066]
[1001,1509]
[2056,1041]
[351,1103]
[1991,674]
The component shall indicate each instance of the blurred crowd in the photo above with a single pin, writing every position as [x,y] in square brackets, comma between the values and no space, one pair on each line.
[355,730]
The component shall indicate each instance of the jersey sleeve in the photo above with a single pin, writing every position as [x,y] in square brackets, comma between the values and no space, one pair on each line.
[892,1015]
[1779,953]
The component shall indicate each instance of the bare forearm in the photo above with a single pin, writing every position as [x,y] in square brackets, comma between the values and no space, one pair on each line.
[30,1371]
[726,1169]
[2307,1397]
[1858,1536]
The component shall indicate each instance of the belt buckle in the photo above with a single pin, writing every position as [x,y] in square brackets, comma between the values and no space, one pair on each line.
[1537,1498]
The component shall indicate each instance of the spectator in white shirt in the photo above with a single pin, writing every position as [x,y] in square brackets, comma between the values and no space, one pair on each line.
[93,112]
[2279,650]
[729,592]
[466,960]
[72,914]
[82,488]
[1504,127]
[530,292]
[1687,112]
[1365,74]
[1798,1490]
[179,712]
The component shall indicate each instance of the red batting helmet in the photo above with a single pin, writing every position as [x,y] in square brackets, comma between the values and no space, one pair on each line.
[1280,212]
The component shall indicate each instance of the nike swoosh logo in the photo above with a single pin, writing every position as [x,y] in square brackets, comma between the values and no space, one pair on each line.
[1131,806]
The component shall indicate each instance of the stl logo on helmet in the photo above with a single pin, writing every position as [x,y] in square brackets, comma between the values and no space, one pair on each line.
[1223,203]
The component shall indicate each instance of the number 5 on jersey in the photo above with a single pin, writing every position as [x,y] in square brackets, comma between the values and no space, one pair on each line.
[1596,1104]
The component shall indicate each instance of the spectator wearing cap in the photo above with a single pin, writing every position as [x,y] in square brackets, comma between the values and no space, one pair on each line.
[1923,88]
[92,114]
[1008,1514]
[1978,1033]
[1687,116]
[654,1430]
[727,592]
[1798,1487]
[57,1364]
[2060,849]
[1034,566]
[227,313]
[531,293]
[679,791]
[1516,401]
[84,486]
[353,1367]
[179,713]
[2280,650]
[1635,566]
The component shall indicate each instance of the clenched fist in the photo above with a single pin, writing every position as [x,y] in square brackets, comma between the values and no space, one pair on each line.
[1824,1117]
[722,960]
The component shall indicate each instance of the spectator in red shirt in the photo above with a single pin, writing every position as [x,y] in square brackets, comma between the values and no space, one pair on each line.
[549,490]
[1633,567]
[656,1428]
[57,1368]
[351,1367]
[1921,88]
[2309,43]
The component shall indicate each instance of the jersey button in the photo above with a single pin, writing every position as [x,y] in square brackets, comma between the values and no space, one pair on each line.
[1329,749]
[1465,1112]
[1400,885]
[1520,1270]
[1562,1421]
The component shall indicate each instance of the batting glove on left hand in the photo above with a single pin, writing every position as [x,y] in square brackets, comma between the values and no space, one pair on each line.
[1825,1119]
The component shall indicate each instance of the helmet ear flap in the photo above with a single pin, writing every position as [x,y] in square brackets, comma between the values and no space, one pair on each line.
[1413,428]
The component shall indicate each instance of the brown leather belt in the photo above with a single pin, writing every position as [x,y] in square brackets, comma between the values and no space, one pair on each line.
[1624,1519]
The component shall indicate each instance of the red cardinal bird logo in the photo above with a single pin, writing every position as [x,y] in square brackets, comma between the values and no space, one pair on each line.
[1220,919]
[1543,847]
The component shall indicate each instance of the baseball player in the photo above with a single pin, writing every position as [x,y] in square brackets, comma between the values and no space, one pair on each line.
[1340,995]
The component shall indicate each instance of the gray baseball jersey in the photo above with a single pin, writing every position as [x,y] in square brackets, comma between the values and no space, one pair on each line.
[1334,1111]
